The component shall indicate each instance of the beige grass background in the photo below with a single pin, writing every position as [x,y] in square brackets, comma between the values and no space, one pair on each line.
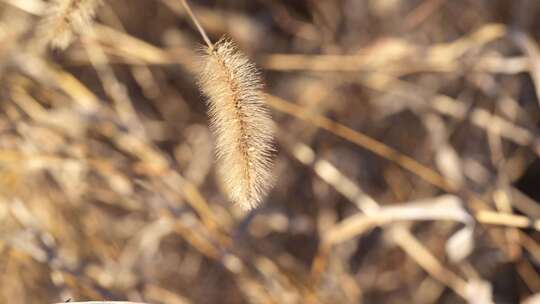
[406,164]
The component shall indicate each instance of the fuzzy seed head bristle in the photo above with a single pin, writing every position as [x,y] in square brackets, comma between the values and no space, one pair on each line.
[240,121]
[64,19]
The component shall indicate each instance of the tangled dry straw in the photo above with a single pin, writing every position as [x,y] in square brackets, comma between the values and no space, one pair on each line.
[407,168]
[240,121]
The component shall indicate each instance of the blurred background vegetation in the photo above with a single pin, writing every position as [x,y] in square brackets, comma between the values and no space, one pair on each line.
[407,155]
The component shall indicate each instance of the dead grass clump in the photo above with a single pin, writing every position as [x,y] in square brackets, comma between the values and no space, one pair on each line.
[407,168]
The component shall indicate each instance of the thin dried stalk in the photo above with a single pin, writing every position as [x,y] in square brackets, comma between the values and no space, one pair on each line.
[240,121]
[65,18]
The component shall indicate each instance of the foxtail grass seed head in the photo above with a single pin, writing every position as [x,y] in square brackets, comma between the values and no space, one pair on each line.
[240,121]
[66,18]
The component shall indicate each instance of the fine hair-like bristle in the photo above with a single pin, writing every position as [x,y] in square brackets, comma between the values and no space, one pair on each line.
[240,121]
[64,19]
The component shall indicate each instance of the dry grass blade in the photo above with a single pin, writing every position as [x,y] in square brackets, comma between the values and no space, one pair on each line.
[240,121]
[364,141]
[416,250]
